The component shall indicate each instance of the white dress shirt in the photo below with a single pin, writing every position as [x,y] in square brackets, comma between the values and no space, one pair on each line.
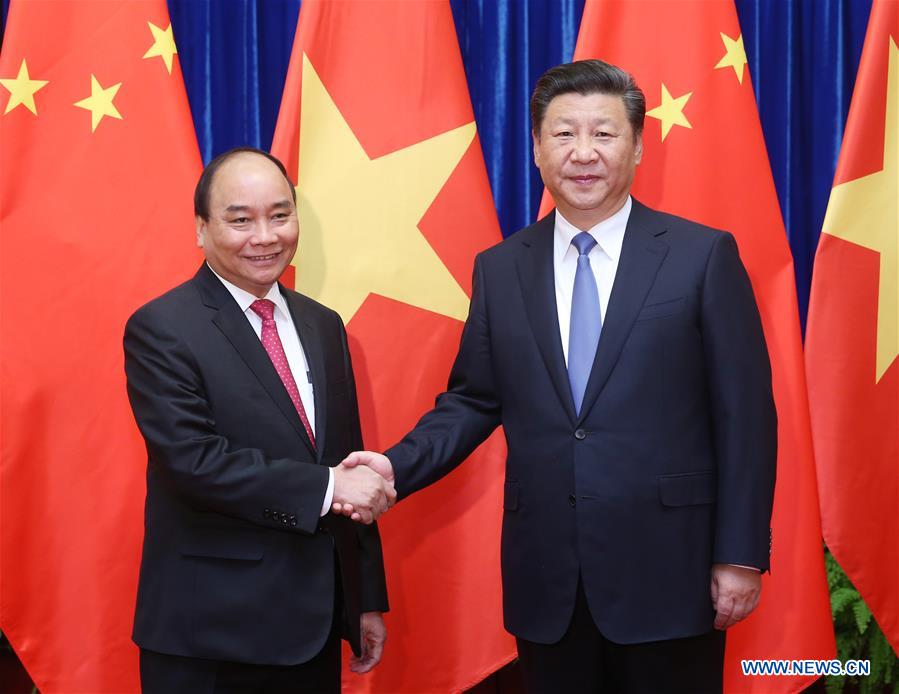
[293,350]
[604,256]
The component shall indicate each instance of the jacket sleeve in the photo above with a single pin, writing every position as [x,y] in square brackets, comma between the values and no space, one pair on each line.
[463,416]
[744,419]
[187,452]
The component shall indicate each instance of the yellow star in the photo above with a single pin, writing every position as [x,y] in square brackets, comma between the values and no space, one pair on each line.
[99,103]
[163,45]
[22,90]
[359,216]
[671,111]
[734,56]
[865,212]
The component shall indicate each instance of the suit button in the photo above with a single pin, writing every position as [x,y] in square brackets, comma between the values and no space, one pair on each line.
[572,500]
[267,513]
[293,521]
[284,518]
[580,434]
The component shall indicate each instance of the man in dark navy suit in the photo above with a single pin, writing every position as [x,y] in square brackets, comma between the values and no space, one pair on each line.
[622,351]
[244,393]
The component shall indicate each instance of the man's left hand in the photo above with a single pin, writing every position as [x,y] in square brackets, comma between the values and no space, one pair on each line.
[374,634]
[735,593]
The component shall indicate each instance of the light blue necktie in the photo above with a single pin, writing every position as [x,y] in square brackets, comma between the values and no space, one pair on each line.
[586,321]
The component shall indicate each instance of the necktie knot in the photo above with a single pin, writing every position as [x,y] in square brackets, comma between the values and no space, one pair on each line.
[264,308]
[584,243]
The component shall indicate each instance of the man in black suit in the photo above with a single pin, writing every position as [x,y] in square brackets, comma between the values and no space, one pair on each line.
[622,351]
[244,393]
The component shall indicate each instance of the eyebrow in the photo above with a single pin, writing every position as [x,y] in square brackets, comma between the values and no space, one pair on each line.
[244,208]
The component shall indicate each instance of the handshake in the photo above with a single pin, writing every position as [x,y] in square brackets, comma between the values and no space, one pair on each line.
[363,486]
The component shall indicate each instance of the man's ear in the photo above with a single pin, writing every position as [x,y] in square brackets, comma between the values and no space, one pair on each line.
[201,231]
[535,136]
[638,148]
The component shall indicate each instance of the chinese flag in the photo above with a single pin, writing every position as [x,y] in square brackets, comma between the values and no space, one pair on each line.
[376,125]
[852,341]
[705,159]
[97,169]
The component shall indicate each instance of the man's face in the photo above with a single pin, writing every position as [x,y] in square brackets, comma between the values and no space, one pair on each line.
[252,230]
[587,155]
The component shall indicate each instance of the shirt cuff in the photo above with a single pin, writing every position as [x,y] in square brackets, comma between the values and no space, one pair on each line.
[329,493]
[739,566]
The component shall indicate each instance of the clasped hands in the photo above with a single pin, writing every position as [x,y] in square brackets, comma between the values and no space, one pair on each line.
[363,486]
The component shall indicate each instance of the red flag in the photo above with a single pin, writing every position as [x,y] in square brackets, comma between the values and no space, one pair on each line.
[376,124]
[97,168]
[852,341]
[705,159]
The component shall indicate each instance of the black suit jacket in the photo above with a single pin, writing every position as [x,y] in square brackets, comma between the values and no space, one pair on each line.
[670,466]
[237,565]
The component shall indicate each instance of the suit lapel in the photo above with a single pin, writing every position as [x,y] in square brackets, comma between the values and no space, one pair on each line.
[310,339]
[537,282]
[641,256]
[234,325]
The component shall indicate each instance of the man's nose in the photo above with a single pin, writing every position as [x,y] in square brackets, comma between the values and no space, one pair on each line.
[265,233]
[584,150]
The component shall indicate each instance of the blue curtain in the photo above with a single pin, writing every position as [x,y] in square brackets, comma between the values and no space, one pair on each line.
[803,56]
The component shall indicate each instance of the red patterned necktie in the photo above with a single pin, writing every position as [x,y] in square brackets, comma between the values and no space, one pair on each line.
[265,309]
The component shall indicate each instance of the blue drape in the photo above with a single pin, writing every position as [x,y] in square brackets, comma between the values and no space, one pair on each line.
[803,56]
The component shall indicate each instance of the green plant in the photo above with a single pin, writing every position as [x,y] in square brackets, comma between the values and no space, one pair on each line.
[858,638]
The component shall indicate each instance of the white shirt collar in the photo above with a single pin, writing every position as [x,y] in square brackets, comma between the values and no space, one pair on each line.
[609,233]
[244,299]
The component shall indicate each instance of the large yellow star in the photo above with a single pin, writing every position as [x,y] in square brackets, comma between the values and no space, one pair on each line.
[163,45]
[22,90]
[99,103]
[359,216]
[734,56]
[865,211]
[671,111]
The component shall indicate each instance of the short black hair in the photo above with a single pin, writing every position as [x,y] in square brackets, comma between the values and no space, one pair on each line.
[201,192]
[588,77]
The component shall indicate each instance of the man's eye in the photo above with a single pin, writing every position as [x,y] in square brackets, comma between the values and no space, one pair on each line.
[564,133]
[240,220]
[603,133]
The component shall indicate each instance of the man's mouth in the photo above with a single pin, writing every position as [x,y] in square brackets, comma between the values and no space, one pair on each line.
[262,258]
[585,179]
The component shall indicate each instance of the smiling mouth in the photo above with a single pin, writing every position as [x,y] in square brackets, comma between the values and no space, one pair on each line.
[262,258]
[584,179]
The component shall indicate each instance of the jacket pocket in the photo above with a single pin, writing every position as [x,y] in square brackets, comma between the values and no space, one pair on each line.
[246,546]
[688,489]
[666,308]
[510,496]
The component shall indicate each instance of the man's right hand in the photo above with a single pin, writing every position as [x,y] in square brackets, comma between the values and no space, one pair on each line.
[364,491]
[377,462]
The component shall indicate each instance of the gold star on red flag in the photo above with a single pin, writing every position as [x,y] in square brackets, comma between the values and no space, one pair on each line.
[734,56]
[99,103]
[163,45]
[22,90]
[671,111]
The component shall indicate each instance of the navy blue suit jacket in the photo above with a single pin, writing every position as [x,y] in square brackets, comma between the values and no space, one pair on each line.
[237,565]
[670,465]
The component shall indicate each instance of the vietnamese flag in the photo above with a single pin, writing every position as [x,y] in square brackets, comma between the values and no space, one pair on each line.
[852,341]
[376,124]
[705,159]
[97,169]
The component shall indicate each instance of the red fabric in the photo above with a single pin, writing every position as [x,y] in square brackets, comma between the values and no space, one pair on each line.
[855,415]
[717,172]
[394,71]
[93,225]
